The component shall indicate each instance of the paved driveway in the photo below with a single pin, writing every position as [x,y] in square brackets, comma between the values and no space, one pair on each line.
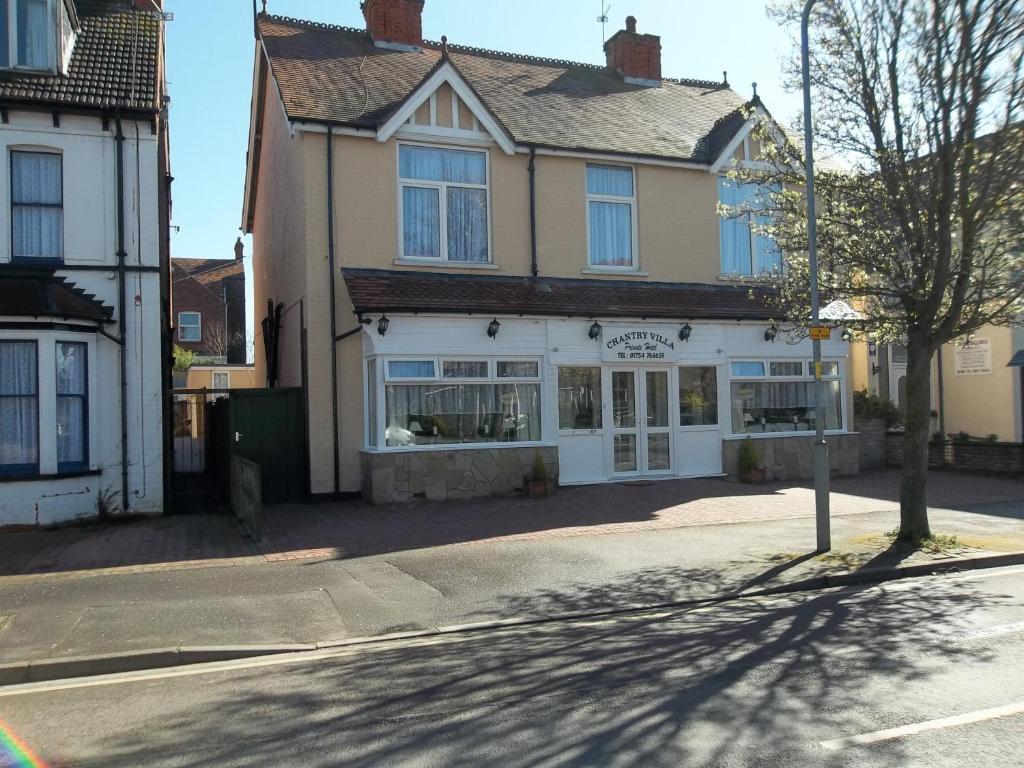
[351,529]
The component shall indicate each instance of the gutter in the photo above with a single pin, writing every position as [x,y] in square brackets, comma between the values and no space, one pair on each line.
[121,310]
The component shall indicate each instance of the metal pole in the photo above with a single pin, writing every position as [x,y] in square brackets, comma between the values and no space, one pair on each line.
[821,468]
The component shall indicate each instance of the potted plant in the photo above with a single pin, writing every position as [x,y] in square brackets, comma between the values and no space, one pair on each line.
[538,481]
[750,471]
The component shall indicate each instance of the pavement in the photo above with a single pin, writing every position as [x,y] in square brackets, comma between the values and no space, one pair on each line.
[918,673]
[191,588]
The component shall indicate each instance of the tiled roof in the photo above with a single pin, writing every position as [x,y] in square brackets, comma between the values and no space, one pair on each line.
[379,290]
[115,63]
[208,271]
[42,294]
[336,74]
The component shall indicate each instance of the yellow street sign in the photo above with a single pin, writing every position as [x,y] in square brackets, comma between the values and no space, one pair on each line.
[820,332]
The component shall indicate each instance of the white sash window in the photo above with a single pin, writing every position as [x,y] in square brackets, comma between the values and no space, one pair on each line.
[37,206]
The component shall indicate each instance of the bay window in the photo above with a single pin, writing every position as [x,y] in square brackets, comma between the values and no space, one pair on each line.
[19,407]
[611,217]
[37,206]
[443,204]
[743,251]
[472,401]
[779,396]
[72,407]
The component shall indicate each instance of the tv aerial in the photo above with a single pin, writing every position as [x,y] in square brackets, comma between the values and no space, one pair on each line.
[603,19]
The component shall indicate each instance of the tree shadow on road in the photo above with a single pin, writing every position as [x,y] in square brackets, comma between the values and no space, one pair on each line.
[738,684]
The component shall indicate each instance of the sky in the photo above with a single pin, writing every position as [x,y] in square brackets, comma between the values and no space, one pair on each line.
[210,59]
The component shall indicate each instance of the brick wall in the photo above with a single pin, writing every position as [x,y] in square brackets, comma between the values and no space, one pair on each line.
[872,444]
[394,21]
[982,458]
[633,54]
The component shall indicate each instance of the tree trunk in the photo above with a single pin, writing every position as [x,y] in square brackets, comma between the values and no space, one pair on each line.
[913,503]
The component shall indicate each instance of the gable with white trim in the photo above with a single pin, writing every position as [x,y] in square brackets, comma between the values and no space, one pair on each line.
[445,107]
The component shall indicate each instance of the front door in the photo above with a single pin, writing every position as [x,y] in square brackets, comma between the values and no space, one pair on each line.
[641,432]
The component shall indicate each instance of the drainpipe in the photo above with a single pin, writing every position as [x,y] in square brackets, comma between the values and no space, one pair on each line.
[122,310]
[334,326]
[532,168]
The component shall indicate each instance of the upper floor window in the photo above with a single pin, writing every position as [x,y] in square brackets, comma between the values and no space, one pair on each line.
[37,205]
[27,34]
[743,251]
[611,217]
[443,204]
[190,326]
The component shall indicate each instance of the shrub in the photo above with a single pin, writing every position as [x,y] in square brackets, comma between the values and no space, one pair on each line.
[748,457]
[540,469]
[868,406]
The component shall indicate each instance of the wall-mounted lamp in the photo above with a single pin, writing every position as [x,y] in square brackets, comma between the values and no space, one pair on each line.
[595,331]
[771,332]
[382,325]
[684,332]
[846,335]
[493,327]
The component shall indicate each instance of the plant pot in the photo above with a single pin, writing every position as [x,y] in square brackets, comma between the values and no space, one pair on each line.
[753,476]
[537,489]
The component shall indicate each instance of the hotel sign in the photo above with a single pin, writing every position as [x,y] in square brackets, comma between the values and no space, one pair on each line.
[637,344]
[973,358]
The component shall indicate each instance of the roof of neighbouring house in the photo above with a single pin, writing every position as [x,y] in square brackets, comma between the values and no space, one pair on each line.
[207,271]
[337,74]
[43,294]
[381,290]
[115,63]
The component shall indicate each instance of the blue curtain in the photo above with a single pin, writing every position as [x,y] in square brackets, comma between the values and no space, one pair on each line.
[611,234]
[421,217]
[4,37]
[34,33]
[71,404]
[609,180]
[733,232]
[748,369]
[35,191]
[467,224]
[411,369]
[19,419]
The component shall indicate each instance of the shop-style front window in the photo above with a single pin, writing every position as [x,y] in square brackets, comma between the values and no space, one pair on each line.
[779,396]
[472,401]
[579,398]
[611,217]
[443,204]
[698,396]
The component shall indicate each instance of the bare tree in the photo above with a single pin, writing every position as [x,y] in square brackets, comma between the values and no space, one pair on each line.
[220,342]
[920,102]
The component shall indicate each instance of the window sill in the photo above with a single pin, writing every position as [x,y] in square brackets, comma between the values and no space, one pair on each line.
[620,272]
[736,277]
[445,264]
[35,477]
[790,433]
[444,447]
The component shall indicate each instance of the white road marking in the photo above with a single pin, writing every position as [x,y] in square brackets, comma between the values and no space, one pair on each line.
[980,715]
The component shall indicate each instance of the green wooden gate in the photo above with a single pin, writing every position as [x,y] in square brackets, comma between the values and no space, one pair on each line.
[267,427]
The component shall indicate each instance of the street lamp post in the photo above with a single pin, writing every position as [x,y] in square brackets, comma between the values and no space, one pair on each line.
[821,468]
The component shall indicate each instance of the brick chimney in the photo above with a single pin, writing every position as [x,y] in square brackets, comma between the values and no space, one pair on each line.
[239,249]
[149,5]
[394,21]
[636,57]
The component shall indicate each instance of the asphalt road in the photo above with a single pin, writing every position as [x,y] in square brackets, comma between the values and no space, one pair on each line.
[924,672]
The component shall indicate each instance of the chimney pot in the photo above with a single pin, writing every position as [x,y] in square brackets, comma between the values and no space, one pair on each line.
[635,56]
[239,249]
[394,21]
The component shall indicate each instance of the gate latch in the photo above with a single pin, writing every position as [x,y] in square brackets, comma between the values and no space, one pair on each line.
[238,436]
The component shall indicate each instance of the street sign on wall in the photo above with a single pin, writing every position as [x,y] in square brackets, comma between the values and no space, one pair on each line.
[973,358]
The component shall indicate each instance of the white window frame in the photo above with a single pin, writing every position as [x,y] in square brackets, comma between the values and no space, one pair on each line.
[35,150]
[56,38]
[807,365]
[631,201]
[751,238]
[198,324]
[213,379]
[442,188]
[383,379]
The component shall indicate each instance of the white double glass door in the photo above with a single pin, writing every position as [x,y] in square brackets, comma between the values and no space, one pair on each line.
[641,431]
